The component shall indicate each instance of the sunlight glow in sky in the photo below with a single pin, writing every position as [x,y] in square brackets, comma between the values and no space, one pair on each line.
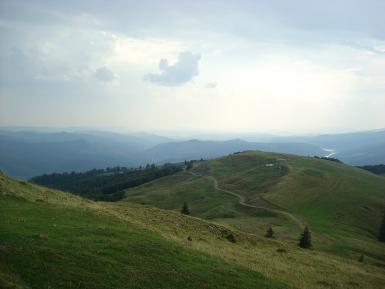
[296,66]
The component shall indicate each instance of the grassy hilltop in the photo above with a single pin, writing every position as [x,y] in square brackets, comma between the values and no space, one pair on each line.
[52,239]
[342,204]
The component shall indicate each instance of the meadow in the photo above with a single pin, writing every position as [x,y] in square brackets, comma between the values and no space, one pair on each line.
[52,239]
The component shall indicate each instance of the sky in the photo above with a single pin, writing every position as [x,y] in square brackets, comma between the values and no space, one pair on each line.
[296,66]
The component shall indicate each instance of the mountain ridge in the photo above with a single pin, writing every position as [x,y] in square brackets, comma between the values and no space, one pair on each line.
[29,153]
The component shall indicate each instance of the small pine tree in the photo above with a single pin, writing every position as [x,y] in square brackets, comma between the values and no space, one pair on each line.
[381,235]
[305,239]
[185,210]
[361,259]
[269,233]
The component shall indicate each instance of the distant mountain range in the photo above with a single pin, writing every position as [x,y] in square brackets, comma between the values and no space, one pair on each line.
[26,154]
[29,153]
[359,148]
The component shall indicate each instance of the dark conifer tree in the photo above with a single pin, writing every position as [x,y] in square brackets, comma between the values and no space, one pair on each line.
[185,210]
[305,239]
[269,233]
[361,259]
[381,235]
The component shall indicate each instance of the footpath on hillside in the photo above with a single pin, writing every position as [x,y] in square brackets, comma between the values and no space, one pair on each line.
[241,200]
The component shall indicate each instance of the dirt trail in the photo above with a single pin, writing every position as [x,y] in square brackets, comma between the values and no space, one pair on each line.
[301,224]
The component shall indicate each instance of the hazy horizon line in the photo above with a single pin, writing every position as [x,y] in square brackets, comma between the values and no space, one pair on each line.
[183,133]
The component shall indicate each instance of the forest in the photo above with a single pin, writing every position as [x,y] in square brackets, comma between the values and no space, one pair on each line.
[105,184]
[376,169]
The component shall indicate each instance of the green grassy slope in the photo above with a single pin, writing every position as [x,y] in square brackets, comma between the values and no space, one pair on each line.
[340,201]
[248,174]
[170,192]
[342,204]
[205,201]
[327,192]
[50,239]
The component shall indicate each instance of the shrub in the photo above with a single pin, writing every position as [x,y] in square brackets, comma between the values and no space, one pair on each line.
[230,237]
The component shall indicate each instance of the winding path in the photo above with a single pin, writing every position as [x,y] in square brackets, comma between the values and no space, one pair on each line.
[242,201]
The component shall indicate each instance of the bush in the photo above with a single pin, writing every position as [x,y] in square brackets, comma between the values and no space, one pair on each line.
[230,237]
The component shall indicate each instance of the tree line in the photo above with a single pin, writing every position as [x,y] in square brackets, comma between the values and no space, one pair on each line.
[105,184]
[376,169]
[329,159]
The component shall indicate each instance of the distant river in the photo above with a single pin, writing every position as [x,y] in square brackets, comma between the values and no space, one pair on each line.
[330,152]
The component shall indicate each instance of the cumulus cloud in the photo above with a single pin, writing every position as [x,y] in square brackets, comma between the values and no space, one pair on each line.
[182,71]
[104,74]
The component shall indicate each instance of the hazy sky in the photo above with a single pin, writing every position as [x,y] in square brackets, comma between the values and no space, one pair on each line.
[273,65]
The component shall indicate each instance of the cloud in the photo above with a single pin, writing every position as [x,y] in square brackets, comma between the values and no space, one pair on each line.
[178,73]
[104,74]
[211,84]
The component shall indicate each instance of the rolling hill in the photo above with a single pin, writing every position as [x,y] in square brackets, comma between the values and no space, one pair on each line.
[251,191]
[196,149]
[52,239]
